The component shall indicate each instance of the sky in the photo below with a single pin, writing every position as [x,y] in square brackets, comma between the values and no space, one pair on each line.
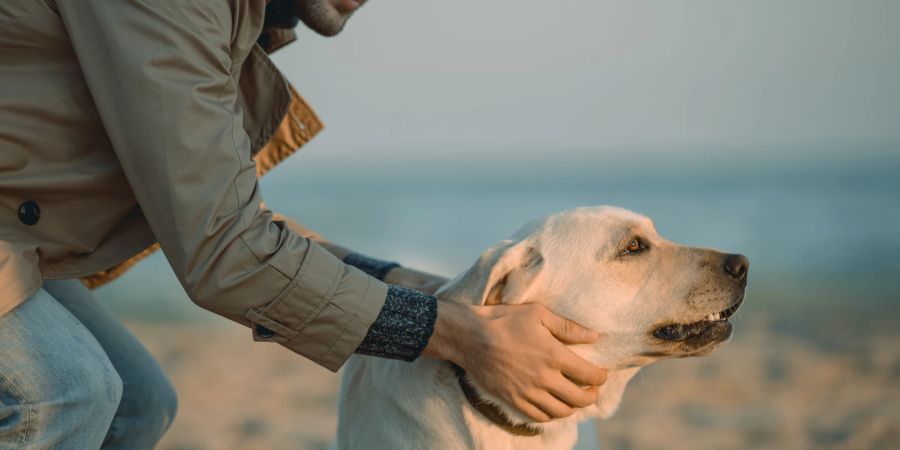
[710,78]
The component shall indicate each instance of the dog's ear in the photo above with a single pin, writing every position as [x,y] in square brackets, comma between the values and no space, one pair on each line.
[501,273]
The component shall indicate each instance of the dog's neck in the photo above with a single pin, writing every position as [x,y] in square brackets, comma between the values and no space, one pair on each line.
[489,410]
[610,396]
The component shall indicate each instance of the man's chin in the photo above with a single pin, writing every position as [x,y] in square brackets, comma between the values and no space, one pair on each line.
[322,17]
[327,30]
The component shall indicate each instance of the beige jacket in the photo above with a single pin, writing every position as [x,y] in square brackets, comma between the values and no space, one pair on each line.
[127,122]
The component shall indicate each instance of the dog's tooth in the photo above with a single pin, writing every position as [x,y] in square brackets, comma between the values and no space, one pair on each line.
[711,317]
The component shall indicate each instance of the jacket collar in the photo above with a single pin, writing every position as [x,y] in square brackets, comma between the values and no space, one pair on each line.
[278,26]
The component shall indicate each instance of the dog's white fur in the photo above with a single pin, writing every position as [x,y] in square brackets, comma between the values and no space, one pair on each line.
[572,262]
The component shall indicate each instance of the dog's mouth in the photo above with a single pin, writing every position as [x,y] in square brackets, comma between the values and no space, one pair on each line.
[714,326]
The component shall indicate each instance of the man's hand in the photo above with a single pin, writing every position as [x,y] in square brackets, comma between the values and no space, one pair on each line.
[517,353]
[414,279]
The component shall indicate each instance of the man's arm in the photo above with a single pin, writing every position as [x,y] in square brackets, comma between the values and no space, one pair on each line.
[161,75]
[394,274]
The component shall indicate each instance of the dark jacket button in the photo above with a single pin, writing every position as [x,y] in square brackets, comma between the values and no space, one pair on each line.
[29,212]
[264,332]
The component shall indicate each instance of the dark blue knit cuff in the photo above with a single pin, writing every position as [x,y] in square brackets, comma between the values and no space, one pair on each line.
[374,267]
[403,327]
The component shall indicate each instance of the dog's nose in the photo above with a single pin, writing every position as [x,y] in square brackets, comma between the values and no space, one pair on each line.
[736,266]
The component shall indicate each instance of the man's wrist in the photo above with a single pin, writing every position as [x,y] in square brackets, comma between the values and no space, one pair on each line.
[391,277]
[453,321]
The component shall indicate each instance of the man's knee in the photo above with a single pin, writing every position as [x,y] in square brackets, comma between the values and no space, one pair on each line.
[62,384]
[148,402]
[84,377]
[72,401]
[161,403]
[146,412]
[93,386]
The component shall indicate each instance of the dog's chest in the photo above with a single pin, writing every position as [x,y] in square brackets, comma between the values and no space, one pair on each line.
[488,436]
[421,406]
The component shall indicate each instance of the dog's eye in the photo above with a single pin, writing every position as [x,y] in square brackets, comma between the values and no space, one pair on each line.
[634,246]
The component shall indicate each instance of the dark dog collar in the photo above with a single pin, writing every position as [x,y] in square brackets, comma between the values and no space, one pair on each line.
[489,410]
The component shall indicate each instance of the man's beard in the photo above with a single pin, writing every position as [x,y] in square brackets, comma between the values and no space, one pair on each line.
[319,16]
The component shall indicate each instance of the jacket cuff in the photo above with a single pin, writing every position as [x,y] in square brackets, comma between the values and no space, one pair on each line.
[324,313]
[404,325]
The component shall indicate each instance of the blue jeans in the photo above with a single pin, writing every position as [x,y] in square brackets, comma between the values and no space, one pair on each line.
[72,377]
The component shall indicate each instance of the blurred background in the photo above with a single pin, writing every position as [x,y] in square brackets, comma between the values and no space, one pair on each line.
[769,128]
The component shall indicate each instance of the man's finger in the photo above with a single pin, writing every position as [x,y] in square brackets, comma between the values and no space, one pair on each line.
[567,331]
[574,395]
[533,412]
[552,406]
[581,371]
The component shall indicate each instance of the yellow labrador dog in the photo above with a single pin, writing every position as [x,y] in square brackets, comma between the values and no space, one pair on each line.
[606,268]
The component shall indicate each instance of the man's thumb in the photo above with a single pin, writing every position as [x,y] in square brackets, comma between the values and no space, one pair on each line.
[569,332]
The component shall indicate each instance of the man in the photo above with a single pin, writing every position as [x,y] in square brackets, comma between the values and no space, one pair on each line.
[125,122]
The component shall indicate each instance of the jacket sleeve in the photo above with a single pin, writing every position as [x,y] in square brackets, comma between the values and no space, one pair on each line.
[161,76]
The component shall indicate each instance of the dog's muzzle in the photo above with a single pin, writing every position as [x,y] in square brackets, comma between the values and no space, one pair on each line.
[715,324]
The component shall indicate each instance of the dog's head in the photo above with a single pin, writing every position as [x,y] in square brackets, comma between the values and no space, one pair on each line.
[608,269]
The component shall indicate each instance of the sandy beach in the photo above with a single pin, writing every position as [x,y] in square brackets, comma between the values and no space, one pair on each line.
[787,380]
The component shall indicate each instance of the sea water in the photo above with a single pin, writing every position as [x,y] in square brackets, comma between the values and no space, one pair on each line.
[813,231]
